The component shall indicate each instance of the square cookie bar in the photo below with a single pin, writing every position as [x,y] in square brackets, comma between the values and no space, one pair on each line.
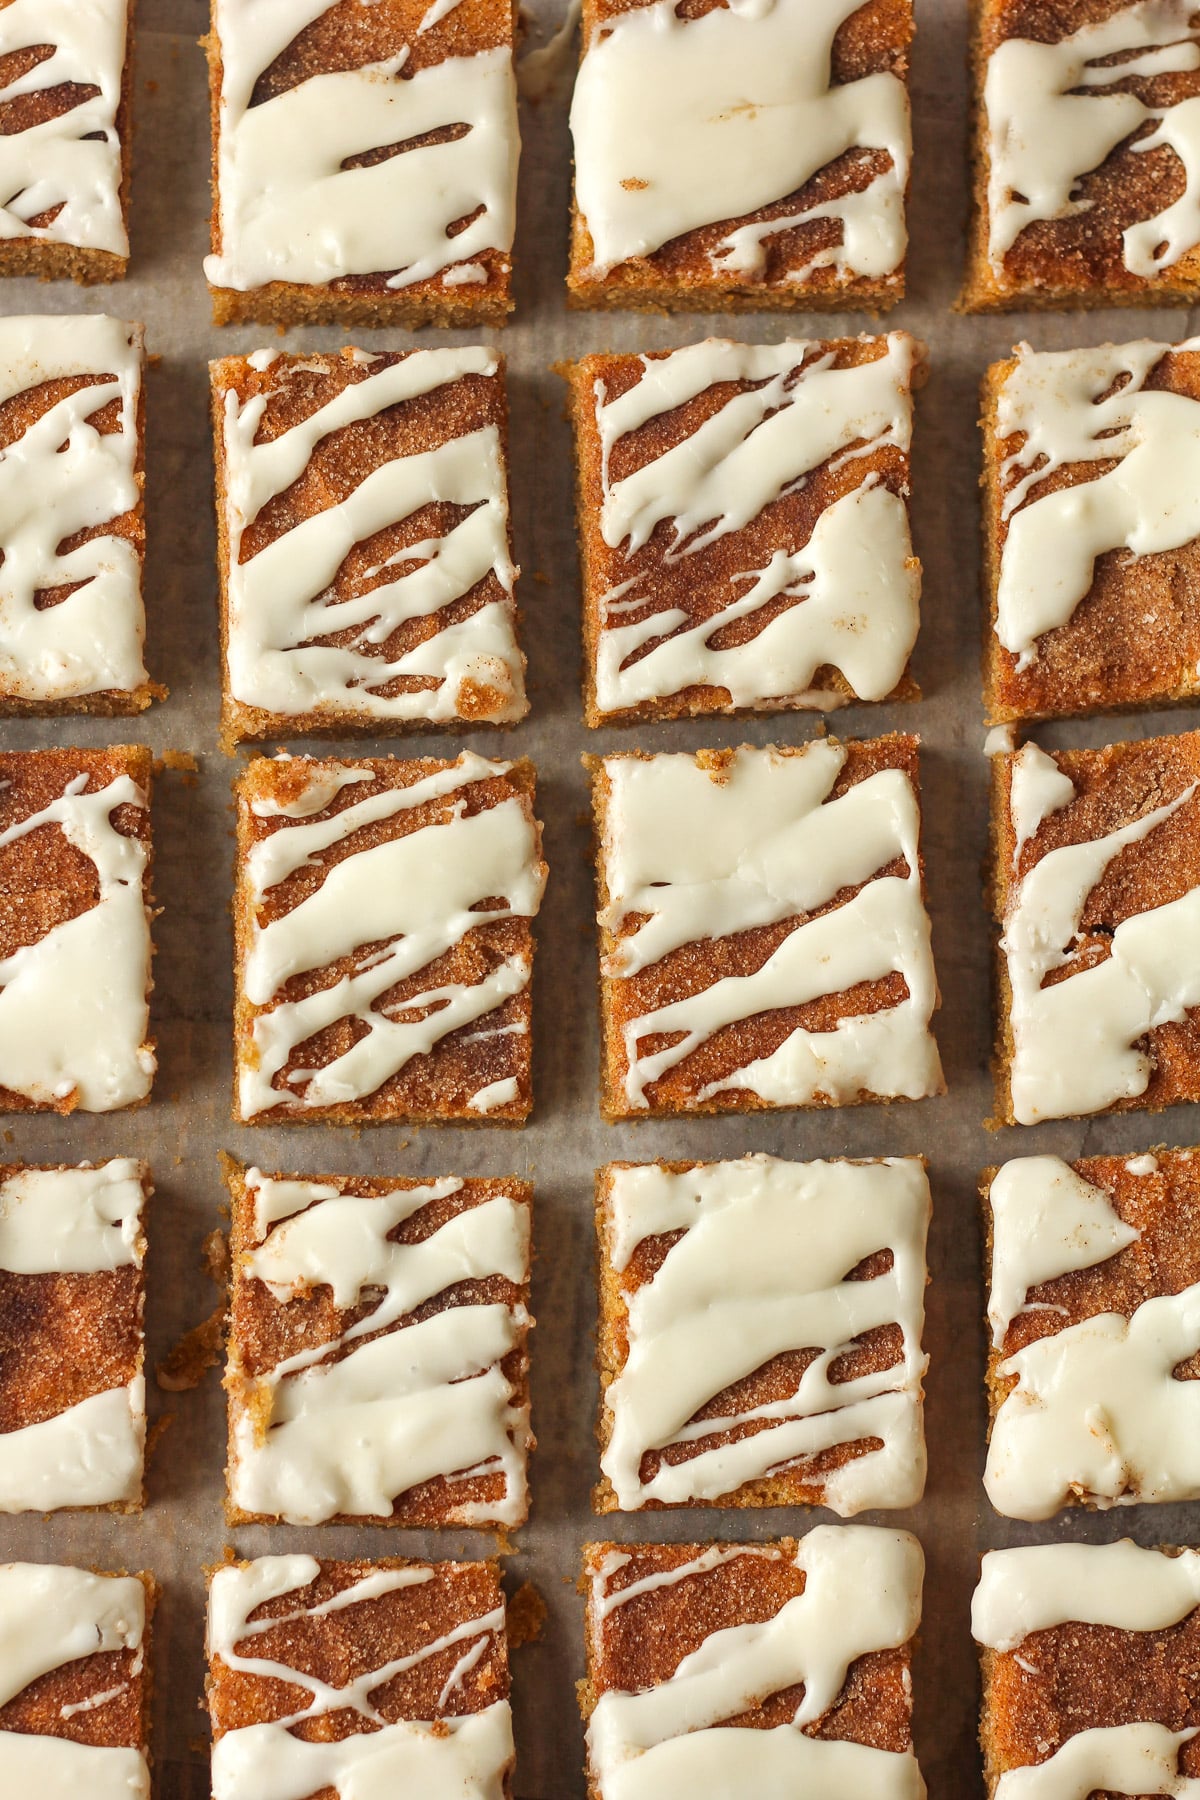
[378,1361]
[75,929]
[1092,529]
[397,1672]
[72,1391]
[1095,889]
[1094,1307]
[753,1668]
[743,526]
[1084,154]
[384,943]
[763,935]
[364,162]
[1091,1670]
[72,530]
[74,1683]
[366,564]
[65,138]
[760,1333]
[729,158]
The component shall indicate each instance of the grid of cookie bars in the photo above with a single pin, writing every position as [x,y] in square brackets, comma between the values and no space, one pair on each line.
[599,906]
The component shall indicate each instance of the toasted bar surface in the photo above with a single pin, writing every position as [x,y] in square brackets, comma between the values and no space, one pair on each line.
[317,1668]
[383,938]
[763,934]
[777,1667]
[367,579]
[760,1333]
[729,158]
[743,526]
[364,162]
[1095,890]
[378,1363]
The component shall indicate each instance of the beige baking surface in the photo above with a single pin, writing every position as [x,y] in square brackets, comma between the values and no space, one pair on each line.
[188,1123]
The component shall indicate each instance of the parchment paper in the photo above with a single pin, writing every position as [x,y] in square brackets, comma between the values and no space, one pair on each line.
[188,1120]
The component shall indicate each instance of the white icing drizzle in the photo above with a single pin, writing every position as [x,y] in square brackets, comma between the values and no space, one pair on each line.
[760,1269]
[1044,135]
[1142,1165]
[279,599]
[416,893]
[1037,788]
[73,1007]
[680,123]
[59,477]
[1121,1585]
[288,208]
[855,579]
[862,1593]
[706,857]
[50,1616]
[468,1755]
[75,1220]
[72,162]
[1046,1221]
[1074,1042]
[317,1436]
[1141,1758]
[1088,406]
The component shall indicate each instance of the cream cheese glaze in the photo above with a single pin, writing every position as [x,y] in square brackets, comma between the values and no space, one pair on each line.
[279,600]
[58,478]
[288,209]
[758,1269]
[420,894]
[862,1593]
[856,582]
[70,165]
[465,1755]
[347,1426]
[683,122]
[51,1616]
[697,856]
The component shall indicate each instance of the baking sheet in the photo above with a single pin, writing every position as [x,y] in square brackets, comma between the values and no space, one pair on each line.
[187,1123]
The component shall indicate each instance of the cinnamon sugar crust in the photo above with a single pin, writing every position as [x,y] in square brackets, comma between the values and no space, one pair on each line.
[700,585]
[348,35]
[337,1647]
[434,1087]
[339,463]
[696,966]
[26,256]
[122,1677]
[800,1485]
[44,880]
[680,277]
[1114,786]
[264,1331]
[1163,1206]
[1076,261]
[642,1642]
[1135,639]
[1076,1677]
